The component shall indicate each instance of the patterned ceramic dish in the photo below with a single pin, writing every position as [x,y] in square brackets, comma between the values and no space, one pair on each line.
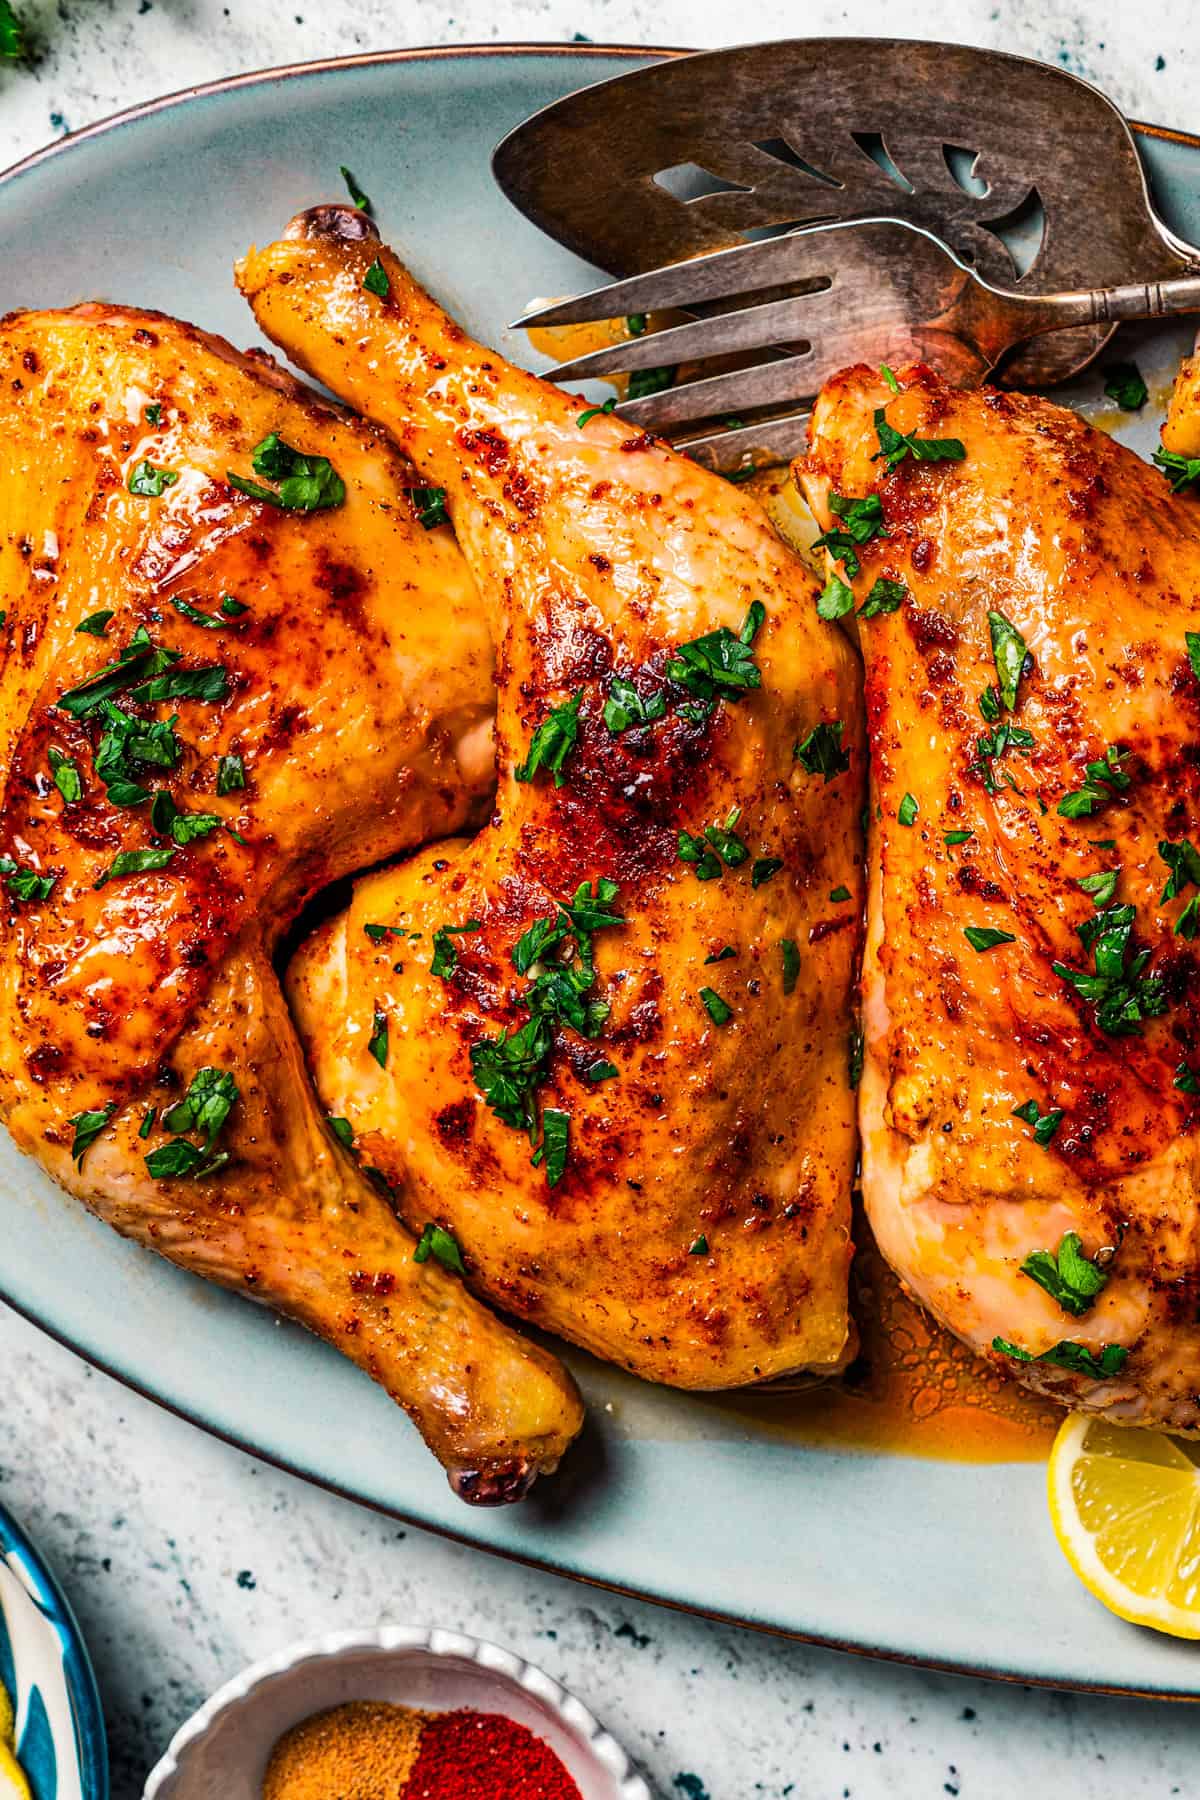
[44,1666]
[221,1753]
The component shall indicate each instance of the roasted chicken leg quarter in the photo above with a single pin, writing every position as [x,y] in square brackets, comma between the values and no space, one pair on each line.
[1029,1104]
[604,1045]
[235,669]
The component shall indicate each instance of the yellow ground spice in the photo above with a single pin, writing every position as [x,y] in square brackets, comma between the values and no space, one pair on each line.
[361,1751]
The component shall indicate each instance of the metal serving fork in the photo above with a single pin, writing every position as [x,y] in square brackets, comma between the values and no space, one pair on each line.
[874,290]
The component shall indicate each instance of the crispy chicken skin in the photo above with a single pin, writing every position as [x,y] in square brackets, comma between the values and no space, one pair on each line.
[699,1234]
[1083,549]
[358,696]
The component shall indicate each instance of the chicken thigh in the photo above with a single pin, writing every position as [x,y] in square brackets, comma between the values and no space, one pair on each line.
[1032,992]
[602,1049]
[231,676]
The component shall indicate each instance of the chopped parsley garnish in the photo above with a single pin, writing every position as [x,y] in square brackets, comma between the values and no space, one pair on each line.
[377,933]
[821,753]
[724,954]
[442,1245]
[154,413]
[625,706]
[302,483]
[717,1009]
[720,665]
[596,412]
[884,597]
[1045,1124]
[600,1070]
[895,445]
[210,621]
[1186,1080]
[509,1068]
[184,827]
[26,884]
[128,744]
[887,375]
[151,483]
[231,774]
[1192,639]
[552,742]
[644,382]
[135,862]
[1181,471]
[1183,860]
[990,746]
[356,194]
[377,1043]
[636,324]
[96,624]
[1068,1355]
[210,683]
[342,1130]
[139,658]
[835,599]
[429,504]
[698,1246]
[1120,993]
[725,841]
[986,937]
[12,33]
[445,950]
[764,869]
[65,773]
[553,1149]
[87,1127]
[233,608]
[1105,778]
[1101,887]
[211,1096]
[1123,384]
[1068,1276]
[839,893]
[376,280]
[147,1124]
[858,1051]
[1008,654]
[951,838]
[908,809]
[791,963]
[862,520]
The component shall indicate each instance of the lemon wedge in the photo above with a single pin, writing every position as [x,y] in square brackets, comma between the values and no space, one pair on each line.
[1125,1506]
[13,1785]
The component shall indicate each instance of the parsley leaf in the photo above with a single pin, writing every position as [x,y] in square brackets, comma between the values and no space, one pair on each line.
[151,483]
[644,382]
[835,599]
[986,937]
[1181,471]
[1069,1277]
[1068,1355]
[951,838]
[1044,1124]
[1118,991]
[135,862]
[888,376]
[442,1245]
[507,1069]
[765,867]
[862,520]
[884,597]
[87,1127]
[1105,778]
[445,951]
[908,809]
[154,413]
[625,706]
[171,1161]
[553,1149]
[96,624]
[377,1043]
[791,963]
[429,504]
[1101,887]
[698,1246]
[720,665]
[1186,1080]
[596,412]
[552,742]
[376,280]
[1183,860]
[210,621]
[208,1102]
[210,683]
[233,609]
[342,1130]
[231,774]
[636,324]
[139,658]
[1123,384]
[65,773]
[821,753]
[302,483]
[1008,654]
[717,1009]
[356,194]
[895,445]
[1192,639]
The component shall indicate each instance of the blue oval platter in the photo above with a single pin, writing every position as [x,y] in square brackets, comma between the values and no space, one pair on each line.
[682,1498]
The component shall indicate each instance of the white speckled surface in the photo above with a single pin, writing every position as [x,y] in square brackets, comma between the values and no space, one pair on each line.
[185,1559]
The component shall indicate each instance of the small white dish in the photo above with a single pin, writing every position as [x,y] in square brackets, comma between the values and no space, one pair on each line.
[222,1752]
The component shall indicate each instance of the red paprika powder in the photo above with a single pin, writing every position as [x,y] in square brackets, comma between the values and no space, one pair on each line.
[484,1756]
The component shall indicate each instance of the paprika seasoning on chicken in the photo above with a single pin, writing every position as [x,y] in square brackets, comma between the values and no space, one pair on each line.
[368,1750]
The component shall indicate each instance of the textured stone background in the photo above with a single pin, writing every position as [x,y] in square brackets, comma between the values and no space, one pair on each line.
[186,1559]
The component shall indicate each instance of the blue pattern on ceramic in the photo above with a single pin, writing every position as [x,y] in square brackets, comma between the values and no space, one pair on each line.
[44,1666]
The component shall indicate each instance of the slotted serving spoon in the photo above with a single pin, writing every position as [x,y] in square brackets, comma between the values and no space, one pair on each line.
[874,291]
[1027,173]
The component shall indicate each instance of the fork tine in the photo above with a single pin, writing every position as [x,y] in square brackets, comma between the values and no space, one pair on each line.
[802,317]
[727,451]
[769,384]
[712,277]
